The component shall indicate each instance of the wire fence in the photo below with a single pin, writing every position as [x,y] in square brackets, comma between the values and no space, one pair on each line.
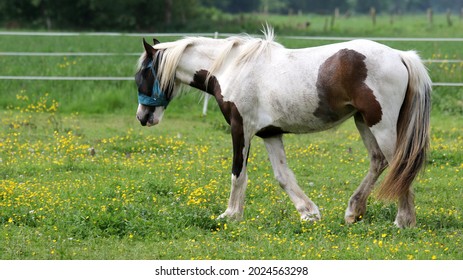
[215,35]
[60,54]
[70,78]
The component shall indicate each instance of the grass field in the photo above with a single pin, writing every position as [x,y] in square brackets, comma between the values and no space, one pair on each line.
[81,179]
[408,25]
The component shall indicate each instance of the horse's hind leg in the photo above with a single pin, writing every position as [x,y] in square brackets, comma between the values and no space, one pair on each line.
[406,215]
[287,180]
[385,135]
[358,201]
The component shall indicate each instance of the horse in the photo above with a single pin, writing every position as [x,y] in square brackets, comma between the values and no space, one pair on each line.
[266,90]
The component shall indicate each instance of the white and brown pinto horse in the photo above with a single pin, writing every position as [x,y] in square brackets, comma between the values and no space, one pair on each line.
[267,90]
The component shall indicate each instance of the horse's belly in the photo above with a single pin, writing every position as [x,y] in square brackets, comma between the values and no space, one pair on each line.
[307,123]
[301,113]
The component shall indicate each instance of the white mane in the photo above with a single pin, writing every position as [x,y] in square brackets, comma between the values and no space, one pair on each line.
[172,52]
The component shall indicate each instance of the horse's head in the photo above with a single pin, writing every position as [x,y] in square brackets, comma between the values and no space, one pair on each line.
[152,99]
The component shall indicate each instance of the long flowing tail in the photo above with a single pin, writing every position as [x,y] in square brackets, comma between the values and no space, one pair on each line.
[412,131]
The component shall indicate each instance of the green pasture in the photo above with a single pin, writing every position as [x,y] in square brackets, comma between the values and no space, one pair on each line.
[81,179]
[416,25]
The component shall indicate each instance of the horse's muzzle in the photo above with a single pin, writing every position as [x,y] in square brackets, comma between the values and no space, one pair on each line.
[143,121]
[148,120]
[149,116]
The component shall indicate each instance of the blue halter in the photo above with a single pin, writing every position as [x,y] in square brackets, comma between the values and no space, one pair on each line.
[158,97]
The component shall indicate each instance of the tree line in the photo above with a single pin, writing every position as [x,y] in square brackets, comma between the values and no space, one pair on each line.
[183,15]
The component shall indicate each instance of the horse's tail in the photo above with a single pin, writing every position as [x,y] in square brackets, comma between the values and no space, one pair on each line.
[412,131]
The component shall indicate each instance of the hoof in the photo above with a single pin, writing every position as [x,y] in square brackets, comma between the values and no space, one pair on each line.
[351,219]
[311,217]
[353,216]
[405,223]
[230,216]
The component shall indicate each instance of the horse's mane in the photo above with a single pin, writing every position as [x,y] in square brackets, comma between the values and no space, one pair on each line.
[171,52]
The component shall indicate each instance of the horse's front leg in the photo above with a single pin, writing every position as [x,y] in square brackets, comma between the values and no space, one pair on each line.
[239,178]
[276,152]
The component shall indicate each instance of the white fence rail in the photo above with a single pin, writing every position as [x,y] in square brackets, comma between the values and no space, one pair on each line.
[59,54]
[70,78]
[323,38]
[65,78]
[216,35]
[66,54]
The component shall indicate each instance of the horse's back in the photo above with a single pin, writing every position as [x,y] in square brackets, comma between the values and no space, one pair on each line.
[313,89]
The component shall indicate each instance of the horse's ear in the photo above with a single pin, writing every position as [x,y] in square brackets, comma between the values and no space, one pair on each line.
[148,48]
[155,41]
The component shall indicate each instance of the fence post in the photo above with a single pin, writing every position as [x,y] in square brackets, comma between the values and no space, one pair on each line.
[333,18]
[373,15]
[429,13]
[449,20]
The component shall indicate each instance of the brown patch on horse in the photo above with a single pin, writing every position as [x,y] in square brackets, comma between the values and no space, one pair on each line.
[145,81]
[199,82]
[341,89]
[229,111]
[270,131]
[144,77]
[213,88]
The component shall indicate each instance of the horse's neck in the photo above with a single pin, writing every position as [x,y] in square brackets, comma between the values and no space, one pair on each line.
[197,57]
